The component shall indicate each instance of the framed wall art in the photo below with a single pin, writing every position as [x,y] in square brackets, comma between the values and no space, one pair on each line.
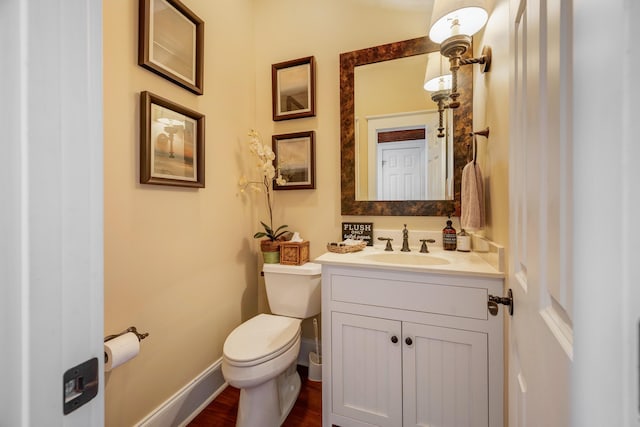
[293,89]
[171,143]
[295,160]
[170,42]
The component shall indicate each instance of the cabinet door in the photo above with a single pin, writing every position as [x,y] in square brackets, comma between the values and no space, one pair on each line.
[445,375]
[366,369]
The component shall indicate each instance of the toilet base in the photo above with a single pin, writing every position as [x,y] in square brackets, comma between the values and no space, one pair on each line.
[269,404]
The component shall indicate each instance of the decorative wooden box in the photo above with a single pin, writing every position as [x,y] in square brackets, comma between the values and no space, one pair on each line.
[294,253]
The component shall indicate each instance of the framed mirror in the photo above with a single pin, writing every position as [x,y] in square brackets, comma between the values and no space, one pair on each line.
[352,200]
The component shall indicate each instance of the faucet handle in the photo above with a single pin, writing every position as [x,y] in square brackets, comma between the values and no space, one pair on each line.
[388,246]
[423,248]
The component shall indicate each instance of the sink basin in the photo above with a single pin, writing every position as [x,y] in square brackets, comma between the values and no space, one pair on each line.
[406,259]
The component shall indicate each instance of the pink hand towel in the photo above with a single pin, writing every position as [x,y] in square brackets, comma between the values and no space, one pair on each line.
[472,198]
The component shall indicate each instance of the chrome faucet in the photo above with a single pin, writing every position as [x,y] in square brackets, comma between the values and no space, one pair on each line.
[405,240]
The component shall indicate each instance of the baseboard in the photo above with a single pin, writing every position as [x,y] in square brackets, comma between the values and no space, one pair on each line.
[184,405]
[307,345]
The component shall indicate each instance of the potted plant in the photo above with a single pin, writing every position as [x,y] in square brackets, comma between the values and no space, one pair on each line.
[270,245]
[273,237]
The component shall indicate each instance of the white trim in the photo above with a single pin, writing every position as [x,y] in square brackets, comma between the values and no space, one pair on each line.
[197,394]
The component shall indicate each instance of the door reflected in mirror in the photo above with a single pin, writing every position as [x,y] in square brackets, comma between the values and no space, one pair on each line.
[359,171]
[398,153]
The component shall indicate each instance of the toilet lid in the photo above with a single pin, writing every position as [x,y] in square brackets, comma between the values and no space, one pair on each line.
[261,338]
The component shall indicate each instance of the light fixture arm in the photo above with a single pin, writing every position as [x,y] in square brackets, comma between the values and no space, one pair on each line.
[453,48]
[440,97]
[484,59]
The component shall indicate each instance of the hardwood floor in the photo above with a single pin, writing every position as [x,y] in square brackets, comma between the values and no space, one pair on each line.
[306,412]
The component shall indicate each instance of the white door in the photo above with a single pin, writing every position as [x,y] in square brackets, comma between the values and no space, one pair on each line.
[541,330]
[401,170]
[366,369]
[445,377]
[51,310]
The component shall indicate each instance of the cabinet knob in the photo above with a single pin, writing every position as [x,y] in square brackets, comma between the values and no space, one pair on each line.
[408,340]
[394,339]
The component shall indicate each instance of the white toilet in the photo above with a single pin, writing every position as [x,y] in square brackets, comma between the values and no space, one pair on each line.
[260,355]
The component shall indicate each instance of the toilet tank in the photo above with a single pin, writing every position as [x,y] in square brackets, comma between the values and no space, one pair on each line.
[293,290]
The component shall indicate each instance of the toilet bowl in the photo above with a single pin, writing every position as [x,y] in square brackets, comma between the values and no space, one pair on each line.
[260,359]
[260,355]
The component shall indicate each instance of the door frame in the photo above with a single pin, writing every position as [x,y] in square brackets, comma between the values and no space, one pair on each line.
[396,121]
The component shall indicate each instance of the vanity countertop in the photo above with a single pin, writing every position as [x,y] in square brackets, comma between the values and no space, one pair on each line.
[457,263]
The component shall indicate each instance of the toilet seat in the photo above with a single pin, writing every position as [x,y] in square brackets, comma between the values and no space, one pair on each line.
[260,339]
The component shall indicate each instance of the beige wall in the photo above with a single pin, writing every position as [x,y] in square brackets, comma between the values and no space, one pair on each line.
[181,263]
[491,95]
[289,29]
[385,88]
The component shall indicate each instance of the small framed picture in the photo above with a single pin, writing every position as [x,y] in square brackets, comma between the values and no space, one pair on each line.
[170,42]
[171,143]
[295,160]
[293,89]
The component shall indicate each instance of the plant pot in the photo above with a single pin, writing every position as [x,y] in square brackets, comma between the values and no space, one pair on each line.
[270,251]
[267,245]
[271,257]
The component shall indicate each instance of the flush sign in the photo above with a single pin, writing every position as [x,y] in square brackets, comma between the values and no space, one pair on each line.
[358,231]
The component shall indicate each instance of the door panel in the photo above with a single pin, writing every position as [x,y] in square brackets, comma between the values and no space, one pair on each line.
[401,170]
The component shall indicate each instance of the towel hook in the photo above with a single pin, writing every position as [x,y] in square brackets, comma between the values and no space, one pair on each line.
[484,132]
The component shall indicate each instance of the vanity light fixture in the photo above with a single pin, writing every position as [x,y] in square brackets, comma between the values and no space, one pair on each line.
[453,23]
[438,82]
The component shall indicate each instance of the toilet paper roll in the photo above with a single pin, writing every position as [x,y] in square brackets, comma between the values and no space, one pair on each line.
[120,350]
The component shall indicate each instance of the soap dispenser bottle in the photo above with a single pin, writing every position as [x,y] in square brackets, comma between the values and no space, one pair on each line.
[464,241]
[449,237]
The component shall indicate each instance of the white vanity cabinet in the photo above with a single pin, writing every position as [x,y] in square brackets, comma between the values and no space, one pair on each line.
[410,348]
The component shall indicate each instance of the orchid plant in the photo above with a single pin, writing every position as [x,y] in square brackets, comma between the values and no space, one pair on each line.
[265,157]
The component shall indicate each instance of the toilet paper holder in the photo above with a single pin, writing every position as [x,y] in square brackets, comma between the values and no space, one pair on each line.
[133,329]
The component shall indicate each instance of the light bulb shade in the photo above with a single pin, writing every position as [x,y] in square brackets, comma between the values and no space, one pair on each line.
[437,76]
[453,17]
